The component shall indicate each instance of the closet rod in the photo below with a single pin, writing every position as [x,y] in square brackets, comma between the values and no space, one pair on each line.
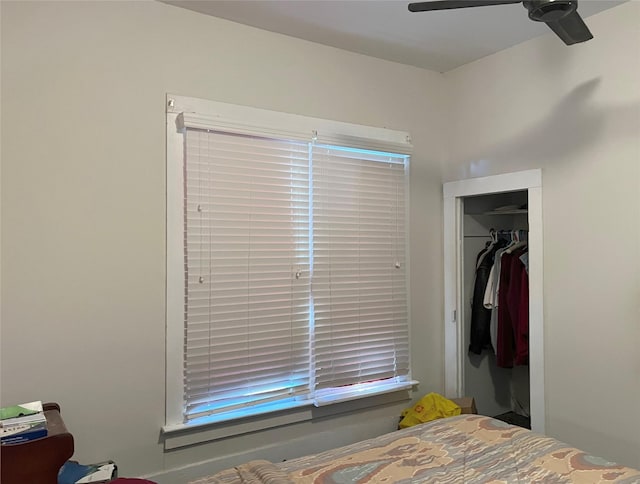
[488,235]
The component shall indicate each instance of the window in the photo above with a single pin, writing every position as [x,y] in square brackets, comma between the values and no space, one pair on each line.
[286,261]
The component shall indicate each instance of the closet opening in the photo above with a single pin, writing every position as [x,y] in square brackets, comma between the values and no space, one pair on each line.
[495,318]
[495,212]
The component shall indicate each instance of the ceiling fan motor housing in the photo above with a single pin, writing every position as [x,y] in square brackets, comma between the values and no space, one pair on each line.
[550,10]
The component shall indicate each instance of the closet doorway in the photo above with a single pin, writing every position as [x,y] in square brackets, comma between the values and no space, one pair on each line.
[468,215]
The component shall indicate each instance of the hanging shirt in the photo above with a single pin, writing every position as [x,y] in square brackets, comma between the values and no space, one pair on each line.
[504,350]
[525,260]
[480,337]
[521,313]
[513,312]
[491,297]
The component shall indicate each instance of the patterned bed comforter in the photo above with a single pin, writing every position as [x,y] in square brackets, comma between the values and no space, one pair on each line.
[467,449]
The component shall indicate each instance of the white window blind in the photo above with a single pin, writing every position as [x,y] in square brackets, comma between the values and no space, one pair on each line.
[286,262]
[246,271]
[359,268]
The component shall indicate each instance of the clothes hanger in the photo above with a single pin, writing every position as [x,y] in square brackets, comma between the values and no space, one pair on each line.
[519,243]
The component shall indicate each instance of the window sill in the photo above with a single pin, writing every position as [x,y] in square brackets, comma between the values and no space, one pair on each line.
[360,391]
[182,435]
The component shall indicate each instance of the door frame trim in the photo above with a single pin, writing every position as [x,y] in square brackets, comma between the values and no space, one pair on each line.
[453,193]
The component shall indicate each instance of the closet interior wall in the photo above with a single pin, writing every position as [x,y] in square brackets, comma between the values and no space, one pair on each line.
[496,390]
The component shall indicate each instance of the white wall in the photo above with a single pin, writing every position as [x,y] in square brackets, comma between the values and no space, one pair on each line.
[83,205]
[575,112]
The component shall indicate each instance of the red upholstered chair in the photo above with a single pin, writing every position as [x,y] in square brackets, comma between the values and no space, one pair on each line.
[38,461]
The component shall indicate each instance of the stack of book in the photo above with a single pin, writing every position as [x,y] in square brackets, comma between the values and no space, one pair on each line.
[21,423]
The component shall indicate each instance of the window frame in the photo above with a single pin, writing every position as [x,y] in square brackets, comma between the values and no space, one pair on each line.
[204,114]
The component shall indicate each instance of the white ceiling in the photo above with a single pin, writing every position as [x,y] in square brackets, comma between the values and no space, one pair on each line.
[440,41]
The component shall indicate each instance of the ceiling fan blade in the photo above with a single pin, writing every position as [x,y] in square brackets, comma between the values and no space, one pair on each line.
[448,4]
[571,29]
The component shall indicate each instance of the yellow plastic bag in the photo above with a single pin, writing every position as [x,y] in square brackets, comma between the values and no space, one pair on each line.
[430,407]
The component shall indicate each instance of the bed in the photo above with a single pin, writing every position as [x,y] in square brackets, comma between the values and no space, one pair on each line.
[465,449]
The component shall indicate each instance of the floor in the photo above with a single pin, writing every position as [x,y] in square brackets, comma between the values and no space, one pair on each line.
[515,419]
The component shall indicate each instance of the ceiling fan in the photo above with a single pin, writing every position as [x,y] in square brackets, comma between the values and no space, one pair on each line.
[560,15]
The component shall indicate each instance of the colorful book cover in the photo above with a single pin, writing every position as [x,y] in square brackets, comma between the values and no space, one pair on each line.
[74,473]
[20,410]
[36,418]
[15,434]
